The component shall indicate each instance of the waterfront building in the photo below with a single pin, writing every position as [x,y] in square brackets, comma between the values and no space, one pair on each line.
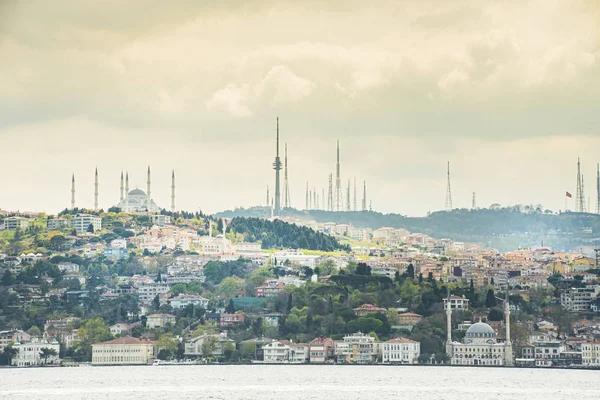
[320,350]
[32,353]
[123,351]
[357,348]
[590,353]
[480,345]
[400,351]
[194,347]
[276,352]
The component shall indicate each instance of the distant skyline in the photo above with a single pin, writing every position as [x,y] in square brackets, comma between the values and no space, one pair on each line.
[506,91]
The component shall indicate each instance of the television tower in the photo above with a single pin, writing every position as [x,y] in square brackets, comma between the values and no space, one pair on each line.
[277,168]
[96,190]
[306,207]
[364,201]
[597,188]
[338,183]
[448,192]
[173,191]
[286,188]
[579,195]
[330,194]
[348,206]
[73,192]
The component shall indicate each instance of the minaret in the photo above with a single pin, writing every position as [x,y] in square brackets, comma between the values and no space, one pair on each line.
[338,182]
[96,190]
[148,191]
[314,203]
[173,192]
[126,192]
[474,203]
[323,199]
[277,168]
[122,189]
[348,206]
[307,194]
[73,192]
[448,192]
[268,198]
[449,349]
[508,352]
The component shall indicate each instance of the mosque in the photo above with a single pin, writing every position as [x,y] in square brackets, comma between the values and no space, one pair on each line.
[135,200]
[480,345]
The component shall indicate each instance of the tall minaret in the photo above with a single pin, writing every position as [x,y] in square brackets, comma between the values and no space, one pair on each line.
[268,197]
[277,168]
[508,352]
[449,349]
[148,191]
[73,192]
[96,190]
[307,194]
[173,192]
[338,182]
[126,192]
[122,189]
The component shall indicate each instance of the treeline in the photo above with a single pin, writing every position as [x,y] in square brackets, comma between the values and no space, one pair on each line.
[280,234]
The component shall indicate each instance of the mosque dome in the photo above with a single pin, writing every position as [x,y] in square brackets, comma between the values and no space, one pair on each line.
[480,330]
[137,192]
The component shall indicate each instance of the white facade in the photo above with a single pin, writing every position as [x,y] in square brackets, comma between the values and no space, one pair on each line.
[457,303]
[160,220]
[356,348]
[147,292]
[159,320]
[276,352]
[30,354]
[12,223]
[184,300]
[400,351]
[590,354]
[123,351]
[82,222]
[579,299]
[194,346]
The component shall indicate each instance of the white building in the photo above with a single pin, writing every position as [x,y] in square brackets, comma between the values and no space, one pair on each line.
[160,220]
[276,352]
[120,329]
[12,223]
[590,354]
[184,300]
[81,222]
[58,223]
[457,303]
[123,351]
[357,348]
[295,257]
[30,354]
[148,291]
[159,320]
[400,351]
[194,346]
[579,299]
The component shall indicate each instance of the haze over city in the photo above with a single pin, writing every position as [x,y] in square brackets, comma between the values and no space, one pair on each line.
[507,92]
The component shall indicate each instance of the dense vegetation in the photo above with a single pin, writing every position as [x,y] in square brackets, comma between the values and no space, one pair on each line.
[283,235]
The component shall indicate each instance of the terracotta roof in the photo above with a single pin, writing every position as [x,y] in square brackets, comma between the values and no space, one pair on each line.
[127,340]
[401,340]
[410,314]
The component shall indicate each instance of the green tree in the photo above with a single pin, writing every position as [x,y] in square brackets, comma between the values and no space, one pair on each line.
[490,299]
[93,331]
[410,271]
[327,267]
[7,278]
[90,228]
[209,345]
[45,353]
[167,342]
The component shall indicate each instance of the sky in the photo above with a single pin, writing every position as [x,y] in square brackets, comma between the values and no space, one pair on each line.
[507,91]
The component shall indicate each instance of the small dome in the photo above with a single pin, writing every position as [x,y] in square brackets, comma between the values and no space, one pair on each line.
[137,192]
[480,329]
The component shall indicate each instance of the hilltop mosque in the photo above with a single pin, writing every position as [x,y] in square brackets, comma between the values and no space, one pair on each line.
[135,200]
[480,346]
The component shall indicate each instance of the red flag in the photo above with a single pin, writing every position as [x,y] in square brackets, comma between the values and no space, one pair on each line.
[569,195]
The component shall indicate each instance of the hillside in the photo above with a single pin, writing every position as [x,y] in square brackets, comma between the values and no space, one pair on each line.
[506,228]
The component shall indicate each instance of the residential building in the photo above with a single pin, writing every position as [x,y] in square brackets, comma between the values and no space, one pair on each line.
[148,291]
[400,351]
[123,351]
[320,350]
[159,320]
[356,348]
[406,321]
[226,320]
[54,224]
[365,309]
[184,300]
[81,222]
[299,352]
[31,354]
[12,223]
[271,288]
[13,336]
[121,329]
[277,352]
[579,299]
[457,303]
[194,347]
[160,220]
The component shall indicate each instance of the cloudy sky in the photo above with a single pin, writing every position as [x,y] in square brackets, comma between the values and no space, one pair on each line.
[508,91]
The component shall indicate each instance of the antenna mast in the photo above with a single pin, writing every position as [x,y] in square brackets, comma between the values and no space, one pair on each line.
[448,192]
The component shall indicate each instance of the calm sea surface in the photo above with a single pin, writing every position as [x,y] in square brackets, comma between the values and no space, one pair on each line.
[266,382]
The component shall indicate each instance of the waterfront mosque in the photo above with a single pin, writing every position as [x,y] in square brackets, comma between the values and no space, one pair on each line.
[480,346]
